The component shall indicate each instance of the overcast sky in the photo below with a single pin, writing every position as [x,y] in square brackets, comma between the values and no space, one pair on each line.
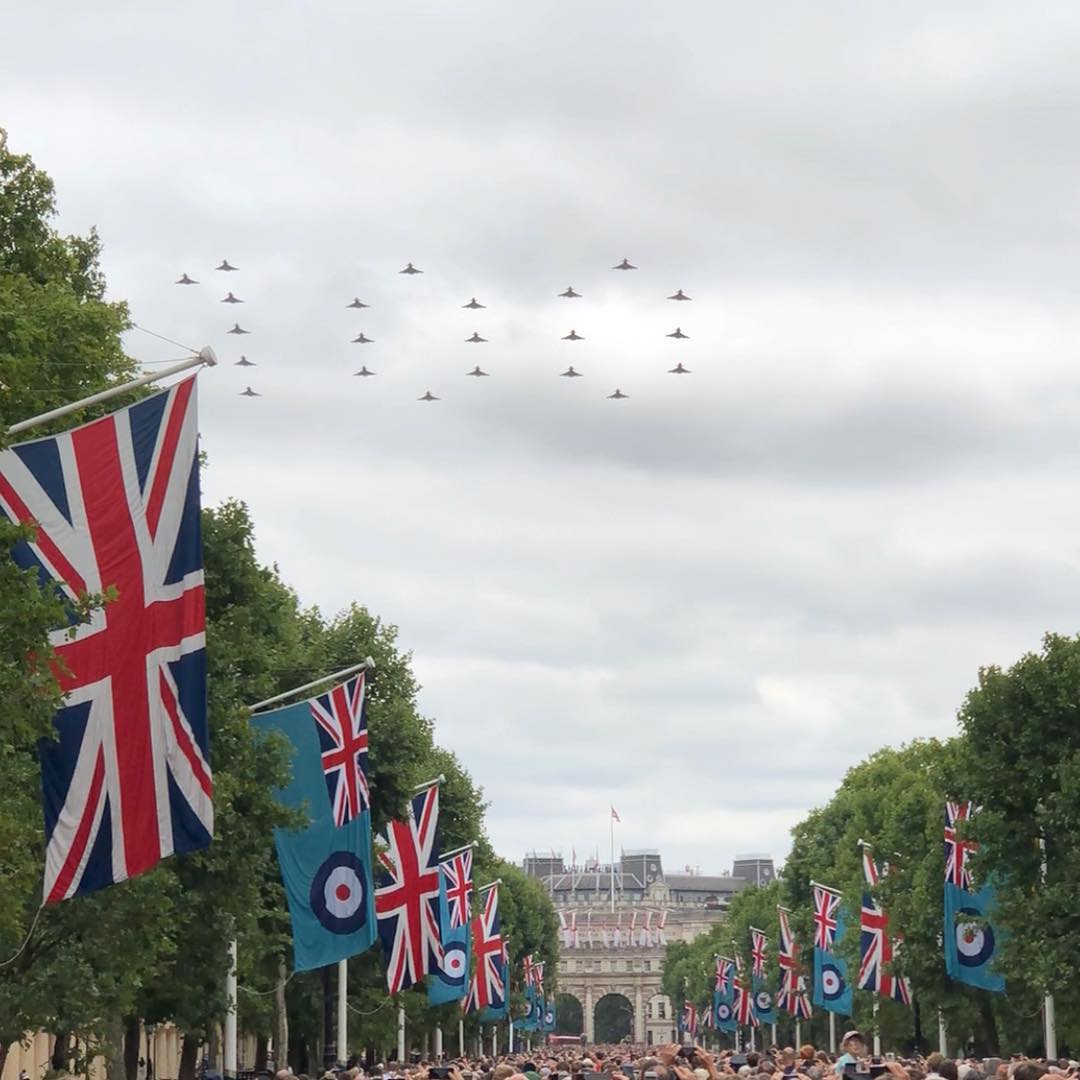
[702,603]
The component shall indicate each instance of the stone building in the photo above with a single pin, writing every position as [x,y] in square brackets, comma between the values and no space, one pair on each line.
[616,922]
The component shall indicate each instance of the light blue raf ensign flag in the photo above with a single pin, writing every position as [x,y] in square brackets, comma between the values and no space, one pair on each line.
[970,941]
[325,867]
[832,991]
[450,982]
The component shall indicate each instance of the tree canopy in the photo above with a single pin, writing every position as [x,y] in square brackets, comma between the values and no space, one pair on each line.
[155,948]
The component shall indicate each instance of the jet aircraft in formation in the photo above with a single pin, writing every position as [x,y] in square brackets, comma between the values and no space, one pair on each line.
[569,293]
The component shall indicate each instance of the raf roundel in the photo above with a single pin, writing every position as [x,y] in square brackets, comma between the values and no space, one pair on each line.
[723,1012]
[974,941]
[337,893]
[454,963]
[832,985]
[763,1001]
[549,1017]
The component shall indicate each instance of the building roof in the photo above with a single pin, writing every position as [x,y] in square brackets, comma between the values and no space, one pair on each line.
[703,883]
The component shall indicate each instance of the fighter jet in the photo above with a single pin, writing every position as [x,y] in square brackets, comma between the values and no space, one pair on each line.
[248,392]
[476,338]
[477,372]
[228,298]
[625,265]
[357,303]
[361,340]
[618,395]
[237,329]
[183,279]
[225,265]
[428,396]
[364,373]
[678,369]
[570,294]
[573,336]
[570,373]
[680,295]
[244,362]
[473,304]
[410,269]
[677,333]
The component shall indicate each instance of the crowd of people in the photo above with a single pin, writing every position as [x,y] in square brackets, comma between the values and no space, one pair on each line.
[637,1062]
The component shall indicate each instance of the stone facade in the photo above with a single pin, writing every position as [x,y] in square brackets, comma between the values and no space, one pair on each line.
[614,932]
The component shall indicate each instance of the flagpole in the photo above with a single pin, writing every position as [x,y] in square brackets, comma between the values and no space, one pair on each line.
[877,1031]
[205,357]
[401,1034]
[832,1033]
[342,1010]
[942,1034]
[440,779]
[367,664]
[230,1013]
[612,823]
[1049,1018]
[461,1037]
[458,850]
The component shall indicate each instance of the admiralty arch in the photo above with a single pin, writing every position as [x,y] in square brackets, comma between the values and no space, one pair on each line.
[613,938]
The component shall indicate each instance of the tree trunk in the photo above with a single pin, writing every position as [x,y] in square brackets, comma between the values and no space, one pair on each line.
[989,1025]
[60,1056]
[113,1050]
[262,1055]
[189,1057]
[917,1013]
[4,1047]
[132,1039]
[281,1019]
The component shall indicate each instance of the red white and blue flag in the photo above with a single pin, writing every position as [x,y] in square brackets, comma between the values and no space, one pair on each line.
[457,874]
[826,912]
[957,871]
[488,989]
[343,740]
[688,1020]
[115,508]
[759,944]
[788,958]
[723,975]
[745,1012]
[876,947]
[407,895]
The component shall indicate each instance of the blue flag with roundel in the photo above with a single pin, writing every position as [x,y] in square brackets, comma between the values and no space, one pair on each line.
[969,938]
[326,866]
[832,991]
[723,1012]
[450,980]
[970,941]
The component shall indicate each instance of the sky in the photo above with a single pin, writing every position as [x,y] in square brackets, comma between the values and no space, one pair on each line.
[702,603]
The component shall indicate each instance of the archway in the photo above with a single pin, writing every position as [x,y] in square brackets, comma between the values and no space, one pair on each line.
[569,1015]
[613,1018]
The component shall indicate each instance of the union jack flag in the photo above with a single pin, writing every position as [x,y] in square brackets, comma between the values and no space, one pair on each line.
[689,1018]
[826,909]
[487,987]
[533,972]
[723,975]
[745,1013]
[708,1017]
[115,506]
[788,958]
[759,944]
[407,897]
[343,739]
[957,850]
[802,1009]
[457,872]
[875,946]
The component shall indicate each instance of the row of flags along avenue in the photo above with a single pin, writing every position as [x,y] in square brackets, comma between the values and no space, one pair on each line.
[113,511]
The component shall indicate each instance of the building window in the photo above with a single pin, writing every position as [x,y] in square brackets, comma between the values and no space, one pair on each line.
[648,967]
[661,1011]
